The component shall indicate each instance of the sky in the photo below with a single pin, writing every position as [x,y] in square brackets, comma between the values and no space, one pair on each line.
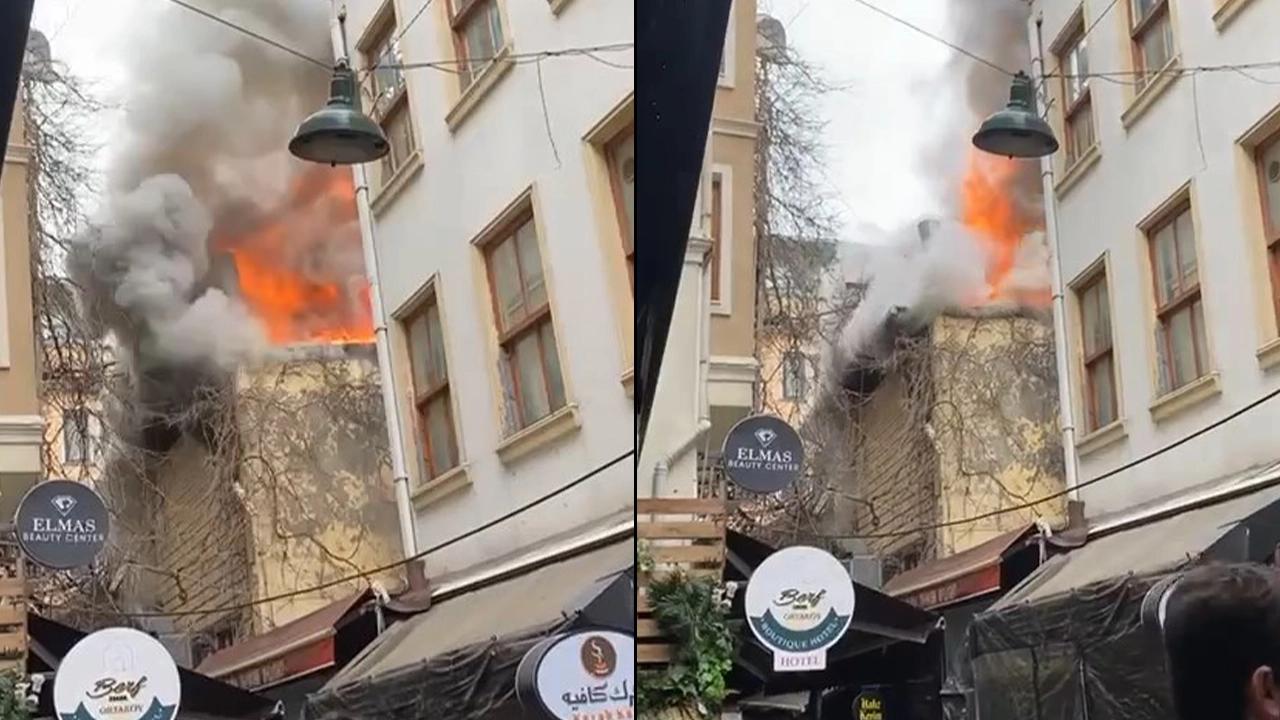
[874,121]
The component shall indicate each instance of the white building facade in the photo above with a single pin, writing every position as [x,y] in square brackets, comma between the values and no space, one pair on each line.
[1167,200]
[502,221]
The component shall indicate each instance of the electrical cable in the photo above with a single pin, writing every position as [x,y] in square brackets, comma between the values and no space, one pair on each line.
[241,29]
[935,38]
[364,574]
[1065,491]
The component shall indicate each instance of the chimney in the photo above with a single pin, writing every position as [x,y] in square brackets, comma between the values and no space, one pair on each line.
[926,229]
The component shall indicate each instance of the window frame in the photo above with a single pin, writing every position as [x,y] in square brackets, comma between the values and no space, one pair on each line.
[715,195]
[1138,29]
[381,32]
[619,203]
[423,397]
[1186,299]
[1092,281]
[1069,42]
[532,323]
[1270,225]
[460,12]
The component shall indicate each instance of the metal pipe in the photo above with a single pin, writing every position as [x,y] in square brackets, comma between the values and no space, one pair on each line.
[390,405]
[1061,345]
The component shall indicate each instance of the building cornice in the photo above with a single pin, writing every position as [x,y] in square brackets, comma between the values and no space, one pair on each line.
[21,429]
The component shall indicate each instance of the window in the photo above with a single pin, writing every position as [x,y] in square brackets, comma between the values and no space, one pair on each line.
[717,228]
[530,365]
[385,84]
[1101,404]
[1073,64]
[621,154]
[1152,34]
[425,336]
[1180,332]
[1268,162]
[77,443]
[794,378]
[477,36]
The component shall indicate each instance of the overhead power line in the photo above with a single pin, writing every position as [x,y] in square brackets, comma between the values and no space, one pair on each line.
[364,574]
[1065,491]
[328,66]
[907,23]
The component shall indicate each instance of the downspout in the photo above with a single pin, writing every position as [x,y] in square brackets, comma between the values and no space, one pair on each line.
[701,399]
[390,406]
[1061,346]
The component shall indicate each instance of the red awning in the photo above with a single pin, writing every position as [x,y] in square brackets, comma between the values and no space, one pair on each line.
[290,651]
[962,576]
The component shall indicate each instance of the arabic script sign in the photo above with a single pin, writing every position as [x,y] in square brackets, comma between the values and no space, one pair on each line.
[763,454]
[585,675]
[799,603]
[117,674]
[62,524]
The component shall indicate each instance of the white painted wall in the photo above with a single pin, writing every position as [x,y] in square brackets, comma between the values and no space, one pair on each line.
[1189,133]
[468,177]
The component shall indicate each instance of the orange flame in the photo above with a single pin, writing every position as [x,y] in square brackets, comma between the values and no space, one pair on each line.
[990,211]
[294,304]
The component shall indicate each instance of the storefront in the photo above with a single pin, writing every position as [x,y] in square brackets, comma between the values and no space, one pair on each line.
[203,698]
[891,648]
[299,657]
[458,659]
[959,587]
[1079,637]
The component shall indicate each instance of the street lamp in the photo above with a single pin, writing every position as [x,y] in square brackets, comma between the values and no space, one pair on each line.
[338,133]
[1017,131]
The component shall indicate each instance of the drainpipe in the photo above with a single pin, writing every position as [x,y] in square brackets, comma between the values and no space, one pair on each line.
[701,399]
[390,406]
[1061,348]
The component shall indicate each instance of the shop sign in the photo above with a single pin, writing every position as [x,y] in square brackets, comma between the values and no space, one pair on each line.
[763,454]
[966,586]
[117,674]
[799,604]
[869,705]
[584,675]
[62,524]
[303,661]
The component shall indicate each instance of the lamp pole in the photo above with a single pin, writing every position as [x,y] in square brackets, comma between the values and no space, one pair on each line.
[390,404]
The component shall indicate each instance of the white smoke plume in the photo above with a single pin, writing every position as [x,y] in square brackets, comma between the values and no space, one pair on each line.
[208,113]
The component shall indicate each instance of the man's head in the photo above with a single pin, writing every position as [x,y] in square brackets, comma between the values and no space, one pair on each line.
[1222,634]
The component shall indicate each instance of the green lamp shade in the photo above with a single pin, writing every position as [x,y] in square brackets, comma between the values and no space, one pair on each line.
[338,133]
[1017,131]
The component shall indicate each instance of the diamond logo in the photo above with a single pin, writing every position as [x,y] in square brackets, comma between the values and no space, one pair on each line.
[63,503]
[765,437]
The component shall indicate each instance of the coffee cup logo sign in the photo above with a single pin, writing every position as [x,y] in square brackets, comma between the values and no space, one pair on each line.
[763,454]
[588,675]
[62,524]
[117,674]
[799,604]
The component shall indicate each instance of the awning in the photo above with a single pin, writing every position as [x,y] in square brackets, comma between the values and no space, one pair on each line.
[202,697]
[968,574]
[292,650]
[458,659]
[1233,520]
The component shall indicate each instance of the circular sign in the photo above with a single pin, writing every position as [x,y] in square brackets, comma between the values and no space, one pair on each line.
[62,524]
[117,674]
[799,601]
[589,673]
[763,454]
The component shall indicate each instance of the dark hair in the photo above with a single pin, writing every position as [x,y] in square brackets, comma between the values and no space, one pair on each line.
[1222,622]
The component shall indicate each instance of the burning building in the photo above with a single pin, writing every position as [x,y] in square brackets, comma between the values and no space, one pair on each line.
[249,453]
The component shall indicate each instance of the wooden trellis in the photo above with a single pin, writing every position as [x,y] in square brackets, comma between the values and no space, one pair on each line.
[685,534]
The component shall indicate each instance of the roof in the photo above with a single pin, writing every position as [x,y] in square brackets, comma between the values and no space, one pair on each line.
[535,598]
[1159,545]
[202,696]
[955,567]
[258,649]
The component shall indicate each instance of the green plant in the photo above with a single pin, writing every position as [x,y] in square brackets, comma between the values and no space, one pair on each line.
[693,612]
[645,557]
[13,701]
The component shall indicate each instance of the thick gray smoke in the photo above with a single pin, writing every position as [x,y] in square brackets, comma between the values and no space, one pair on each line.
[924,277]
[208,113]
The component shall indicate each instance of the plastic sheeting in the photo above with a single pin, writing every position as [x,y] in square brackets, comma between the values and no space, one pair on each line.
[1083,654]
